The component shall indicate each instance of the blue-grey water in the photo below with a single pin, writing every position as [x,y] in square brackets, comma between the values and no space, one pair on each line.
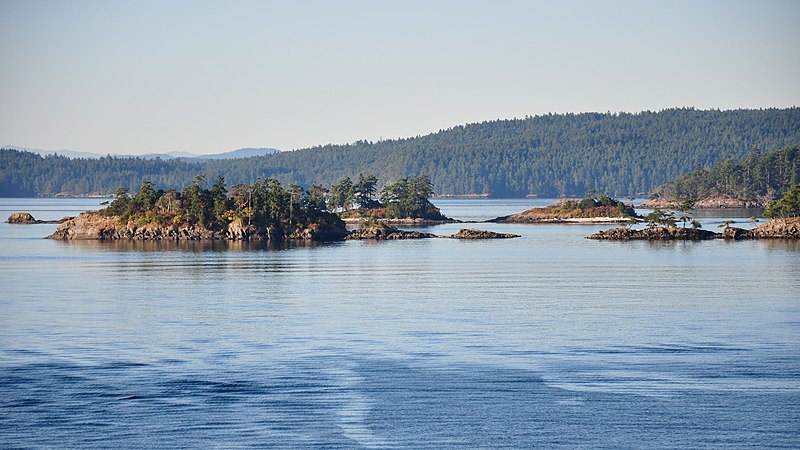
[549,340]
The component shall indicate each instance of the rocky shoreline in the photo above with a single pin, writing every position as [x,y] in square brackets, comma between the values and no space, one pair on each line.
[774,229]
[93,226]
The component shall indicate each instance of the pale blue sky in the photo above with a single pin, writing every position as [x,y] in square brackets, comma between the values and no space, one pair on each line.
[211,76]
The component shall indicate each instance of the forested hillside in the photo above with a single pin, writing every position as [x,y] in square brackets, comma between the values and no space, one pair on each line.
[551,155]
[759,176]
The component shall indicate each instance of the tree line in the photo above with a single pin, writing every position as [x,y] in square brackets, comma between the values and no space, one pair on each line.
[757,175]
[266,203]
[550,155]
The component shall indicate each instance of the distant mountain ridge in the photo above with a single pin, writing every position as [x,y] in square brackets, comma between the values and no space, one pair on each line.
[553,155]
[247,152]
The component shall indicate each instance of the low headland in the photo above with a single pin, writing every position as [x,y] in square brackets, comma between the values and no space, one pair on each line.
[591,209]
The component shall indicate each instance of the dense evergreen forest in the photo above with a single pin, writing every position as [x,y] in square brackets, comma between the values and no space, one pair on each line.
[552,155]
[756,176]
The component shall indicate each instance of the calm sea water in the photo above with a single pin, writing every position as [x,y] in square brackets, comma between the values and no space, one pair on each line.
[549,340]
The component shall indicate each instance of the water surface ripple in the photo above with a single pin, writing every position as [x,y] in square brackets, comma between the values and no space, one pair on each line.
[549,340]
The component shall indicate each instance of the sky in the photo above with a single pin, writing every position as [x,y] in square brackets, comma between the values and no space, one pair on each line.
[134,77]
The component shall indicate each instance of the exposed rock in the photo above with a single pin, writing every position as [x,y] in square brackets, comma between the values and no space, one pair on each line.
[382,231]
[93,226]
[23,218]
[735,233]
[85,226]
[323,230]
[655,233]
[472,233]
[237,231]
[788,228]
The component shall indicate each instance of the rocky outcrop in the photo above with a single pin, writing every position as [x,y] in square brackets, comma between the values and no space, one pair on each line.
[382,231]
[735,233]
[655,234]
[93,226]
[23,218]
[788,228]
[326,228]
[472,233]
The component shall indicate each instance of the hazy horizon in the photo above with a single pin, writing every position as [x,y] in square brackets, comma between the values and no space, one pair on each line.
[205,77]
[189,153]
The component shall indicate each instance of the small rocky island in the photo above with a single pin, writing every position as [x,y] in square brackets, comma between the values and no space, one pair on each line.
[93,226]
[592,209]
[786,228]
[24,218]
[403,202]
[262,211]
[382,231]
[784,225]
[98,226]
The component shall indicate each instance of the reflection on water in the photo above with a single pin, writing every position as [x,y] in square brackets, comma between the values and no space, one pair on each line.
[193,246]
[728,213]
